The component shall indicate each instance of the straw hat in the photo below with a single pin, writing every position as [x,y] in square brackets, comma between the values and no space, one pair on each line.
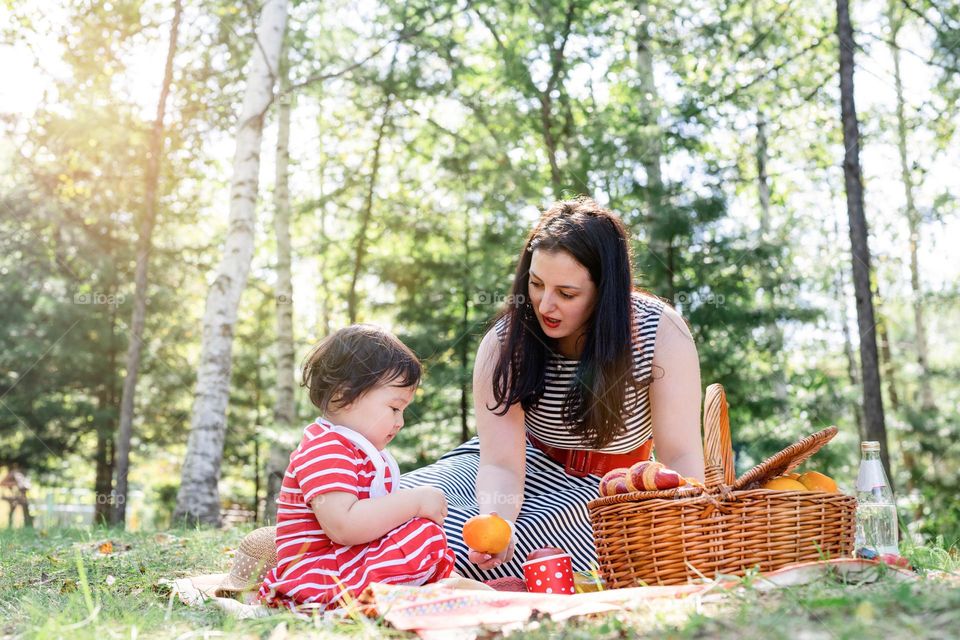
[256,555]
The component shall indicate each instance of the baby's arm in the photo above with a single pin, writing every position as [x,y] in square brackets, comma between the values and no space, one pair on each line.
[348,521]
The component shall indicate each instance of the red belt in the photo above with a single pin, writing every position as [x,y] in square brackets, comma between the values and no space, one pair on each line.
[584,462]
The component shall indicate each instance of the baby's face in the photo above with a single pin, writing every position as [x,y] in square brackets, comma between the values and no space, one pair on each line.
[378,413]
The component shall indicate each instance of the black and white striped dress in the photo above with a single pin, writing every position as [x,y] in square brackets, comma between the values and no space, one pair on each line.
[554,511]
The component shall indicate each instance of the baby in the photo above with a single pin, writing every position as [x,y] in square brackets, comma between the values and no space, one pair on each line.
[342,523]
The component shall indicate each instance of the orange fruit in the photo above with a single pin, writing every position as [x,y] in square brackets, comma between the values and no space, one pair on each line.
[783,484]
[816,481]
[793,475]
[487,533]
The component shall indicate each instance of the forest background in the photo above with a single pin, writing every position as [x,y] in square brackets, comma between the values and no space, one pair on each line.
[193,193]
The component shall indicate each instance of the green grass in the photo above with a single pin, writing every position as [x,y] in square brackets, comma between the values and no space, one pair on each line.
[57,584]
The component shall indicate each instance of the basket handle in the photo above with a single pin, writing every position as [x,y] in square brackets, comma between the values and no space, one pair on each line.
[717,445]
[787,459]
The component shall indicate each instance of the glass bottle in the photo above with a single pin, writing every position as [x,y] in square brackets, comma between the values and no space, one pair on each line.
[876,509]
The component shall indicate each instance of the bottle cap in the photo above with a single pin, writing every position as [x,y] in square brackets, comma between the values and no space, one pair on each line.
[869,445]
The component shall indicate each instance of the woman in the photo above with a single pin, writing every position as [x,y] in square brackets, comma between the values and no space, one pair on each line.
[580,374]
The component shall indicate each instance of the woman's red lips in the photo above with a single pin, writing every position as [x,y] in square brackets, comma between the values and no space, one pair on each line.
[550,322]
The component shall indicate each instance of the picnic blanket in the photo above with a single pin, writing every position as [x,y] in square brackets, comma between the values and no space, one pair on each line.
[465,607]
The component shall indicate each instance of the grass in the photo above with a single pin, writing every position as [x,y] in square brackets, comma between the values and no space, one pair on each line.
[58,584]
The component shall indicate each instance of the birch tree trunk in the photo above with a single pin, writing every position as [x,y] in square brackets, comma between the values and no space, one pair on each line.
[198,500]
[284,405]
[913,219]
[872,398]
[144,245]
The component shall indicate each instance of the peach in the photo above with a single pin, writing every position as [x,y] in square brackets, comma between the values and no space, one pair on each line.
[610,481]
[652,476]
[618,486]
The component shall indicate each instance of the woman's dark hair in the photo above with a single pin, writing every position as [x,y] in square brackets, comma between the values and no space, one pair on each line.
[349,362]
[594,406]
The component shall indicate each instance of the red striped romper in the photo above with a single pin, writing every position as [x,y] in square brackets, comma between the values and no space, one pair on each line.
[309,564]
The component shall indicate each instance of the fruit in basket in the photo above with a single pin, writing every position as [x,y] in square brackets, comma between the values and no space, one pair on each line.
[614,482]
[652,476]
[782,483]
[487,533]
[816,481]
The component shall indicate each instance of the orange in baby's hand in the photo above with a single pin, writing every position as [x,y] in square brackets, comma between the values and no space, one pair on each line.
[487,533]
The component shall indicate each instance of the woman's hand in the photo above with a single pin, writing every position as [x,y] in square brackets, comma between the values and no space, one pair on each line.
[432,504]
[488,561]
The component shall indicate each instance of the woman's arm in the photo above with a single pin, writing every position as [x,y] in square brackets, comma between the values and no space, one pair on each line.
[503,453]
[675,397]
[347,520]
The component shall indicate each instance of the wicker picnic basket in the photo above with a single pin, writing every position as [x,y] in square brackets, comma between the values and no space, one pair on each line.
[726,527]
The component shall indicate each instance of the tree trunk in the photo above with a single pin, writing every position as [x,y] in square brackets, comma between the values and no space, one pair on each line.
[549,142]
[763,196]
[651,157]
[840,290]
[198,500]
[913,220]
[465,331]
[258,423]
[886,355]
[763,182]
[284,404]
[545,98]
[872,399]
[144,243]
[104,476]
[367,213]
[107,427]
[324,262]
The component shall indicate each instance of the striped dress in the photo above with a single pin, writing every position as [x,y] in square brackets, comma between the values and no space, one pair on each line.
[554,511]
[311,569]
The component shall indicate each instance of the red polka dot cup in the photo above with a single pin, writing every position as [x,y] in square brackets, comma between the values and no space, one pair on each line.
[549,571]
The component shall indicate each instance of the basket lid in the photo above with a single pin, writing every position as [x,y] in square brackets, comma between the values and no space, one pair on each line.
[787,459]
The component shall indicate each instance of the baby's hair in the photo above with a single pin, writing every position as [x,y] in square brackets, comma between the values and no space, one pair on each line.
[353,360]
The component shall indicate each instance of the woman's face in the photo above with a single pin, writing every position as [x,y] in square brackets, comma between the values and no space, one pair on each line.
[562,295]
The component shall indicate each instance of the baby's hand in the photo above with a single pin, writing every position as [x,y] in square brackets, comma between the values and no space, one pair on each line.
[433,504]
